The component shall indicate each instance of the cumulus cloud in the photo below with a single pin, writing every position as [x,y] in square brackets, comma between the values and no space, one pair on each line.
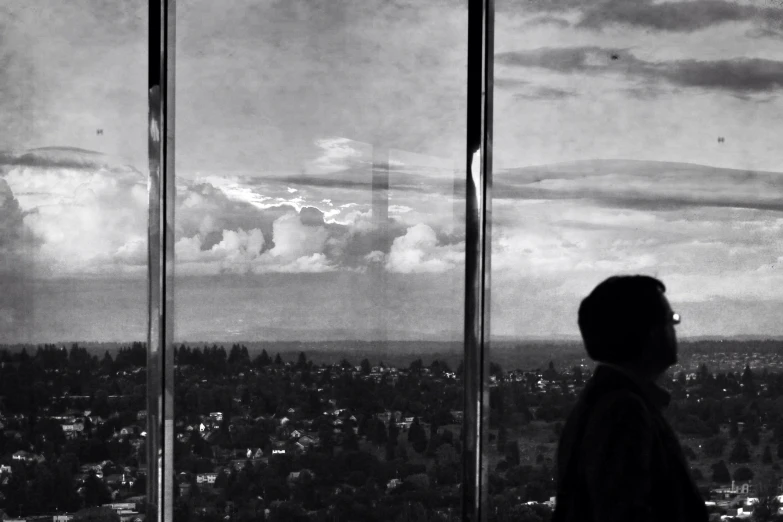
[336,154]
[88,214]
[90,217]
[419,251]
[297,247]
[16,269]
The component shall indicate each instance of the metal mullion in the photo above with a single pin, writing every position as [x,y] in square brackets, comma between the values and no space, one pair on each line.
[478,199]
[160,352]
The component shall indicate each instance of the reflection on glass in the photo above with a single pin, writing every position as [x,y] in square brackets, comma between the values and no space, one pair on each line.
[634,140]
[319,277]
[73,254]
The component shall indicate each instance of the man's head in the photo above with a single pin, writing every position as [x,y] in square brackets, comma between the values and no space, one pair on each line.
[627,320]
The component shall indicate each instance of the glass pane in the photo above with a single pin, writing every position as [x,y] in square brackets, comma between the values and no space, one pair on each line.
[73,256]
[320,259]
[633,139]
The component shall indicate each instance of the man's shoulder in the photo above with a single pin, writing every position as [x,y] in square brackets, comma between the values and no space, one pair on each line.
[619,405]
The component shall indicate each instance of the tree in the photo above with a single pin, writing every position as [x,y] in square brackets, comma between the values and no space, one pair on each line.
[301,362]
[766,492]
[278,360]
[747,376]
[107,362]
[263,359]
[751,433]
[502,439]
[740,453]
[682,380]
[720,473]
[743,474]
[714,446]
[766,458]
[96,514]
[577,375]
[512,453]
[366,368]
[704,373]
[417,436]
[377,432]
[96,493]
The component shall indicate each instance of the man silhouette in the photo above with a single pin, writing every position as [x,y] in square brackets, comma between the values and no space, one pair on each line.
[618,459]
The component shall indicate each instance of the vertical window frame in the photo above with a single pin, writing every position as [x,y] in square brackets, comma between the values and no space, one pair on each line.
[161,187]
[478,241]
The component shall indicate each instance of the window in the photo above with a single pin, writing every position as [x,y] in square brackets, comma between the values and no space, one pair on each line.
[320,245]
[628,140]
[73,256]
[317,273]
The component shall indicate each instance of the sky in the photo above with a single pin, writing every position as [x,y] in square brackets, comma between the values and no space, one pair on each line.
[607,159]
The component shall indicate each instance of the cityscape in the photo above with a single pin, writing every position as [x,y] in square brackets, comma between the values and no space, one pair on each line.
[319,239]
[276,436]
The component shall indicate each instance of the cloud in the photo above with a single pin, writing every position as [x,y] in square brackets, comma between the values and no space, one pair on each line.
[555,21]
[738,75]
[294,239]
[545,93]
[12,232]
[685,16]
[644,185]
[89,216]
[296,247]
[16,269]
[62,157]
[418,251]
[337,154]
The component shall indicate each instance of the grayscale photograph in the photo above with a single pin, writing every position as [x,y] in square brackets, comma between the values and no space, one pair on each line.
[391,260]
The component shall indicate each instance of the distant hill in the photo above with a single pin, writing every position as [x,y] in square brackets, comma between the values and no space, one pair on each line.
[508,353]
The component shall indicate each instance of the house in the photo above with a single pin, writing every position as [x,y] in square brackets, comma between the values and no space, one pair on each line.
[4,468]
[132,517]
[209,478]
[129,430]
[216,416]
[257,454]
[393,483]
[114,480]
[296,434]
[121,506]
[238,464]
[26,456]
[72,427]
[308,440]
